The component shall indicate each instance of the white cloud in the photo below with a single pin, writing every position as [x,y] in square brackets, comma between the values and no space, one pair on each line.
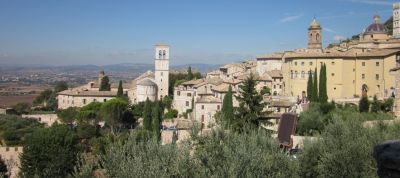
[374,2]
[329,30]
[291,18]
[338,38]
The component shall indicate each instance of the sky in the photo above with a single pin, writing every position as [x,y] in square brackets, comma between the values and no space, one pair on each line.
[101,32]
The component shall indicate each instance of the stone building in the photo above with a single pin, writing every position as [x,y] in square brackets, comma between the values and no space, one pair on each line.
[11,155]
[152,85]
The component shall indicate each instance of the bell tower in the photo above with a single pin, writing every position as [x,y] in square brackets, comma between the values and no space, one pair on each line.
[314,36]
[162,69]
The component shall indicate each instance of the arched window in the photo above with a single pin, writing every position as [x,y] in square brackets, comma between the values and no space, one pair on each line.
[317,36]
[164,53]
[159,54]
[291,74]
[302,74]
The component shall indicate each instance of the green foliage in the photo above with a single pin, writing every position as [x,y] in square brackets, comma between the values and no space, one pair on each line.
[167,102]
[147,119]
[120,92]
[14,129]
[49,152]
[215,155]
[389,25]
[363,105]
[315,95]
[310,86]
[251,107]
[156,120]
[43,97]
[113,111]
[3,168]
[227,115]
[89,113]
[60,86]
[22,108]
[189,73]
[265,90]
[323,95]
[105,84]
[67,115]
[375,105]
[171,114]
[86,131]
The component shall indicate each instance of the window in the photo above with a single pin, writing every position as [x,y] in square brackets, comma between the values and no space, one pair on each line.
[161,74]
[354,69]
[310,63]
[363,76]
[202,107]
[333,74]
[274,86]
[218,107]
[187,103]
[333,63]
[189,94]
[302,63]
[278,109]
[7,148]
[295,63]
[377,76]
[16,149]
[302,74]
[291,74]
[280,86]
[363,63]
[105,100]
[377,64]
[94,100]
[178,93]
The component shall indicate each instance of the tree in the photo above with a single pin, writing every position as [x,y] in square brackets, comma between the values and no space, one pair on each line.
[112,111]
[105,84]
[156,114]
[167,102]
[190,74]
[250,111]
[60,86]
[49,152]
[3,168]
[89,113]
[265,90]
[227,114]
[68,115]
[375,105]
[147,115]
[364,104]
[323,95]
[22,108]
[120,92]
[310,86]
[315,87]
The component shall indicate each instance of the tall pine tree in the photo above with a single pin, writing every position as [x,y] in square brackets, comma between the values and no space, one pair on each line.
[227,109]
[323,95]
[147,115]
[105,84]
[251,107]
[156,121]
[309,86]
[120,92]
[315,87]
[190,73]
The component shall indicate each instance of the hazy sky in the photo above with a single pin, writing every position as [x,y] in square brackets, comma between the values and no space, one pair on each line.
[64,32]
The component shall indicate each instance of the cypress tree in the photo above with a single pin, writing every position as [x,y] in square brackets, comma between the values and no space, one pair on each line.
[363,105]
[190,74]
[156,121]
[147,115]
[315,87]
[227,108]
[120,92]
[309,86]
[105,84]
[323,95]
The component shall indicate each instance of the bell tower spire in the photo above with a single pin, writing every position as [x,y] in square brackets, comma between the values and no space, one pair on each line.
[314,35]
[162,69]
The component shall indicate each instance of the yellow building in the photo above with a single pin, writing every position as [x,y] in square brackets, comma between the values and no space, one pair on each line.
[347,70]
